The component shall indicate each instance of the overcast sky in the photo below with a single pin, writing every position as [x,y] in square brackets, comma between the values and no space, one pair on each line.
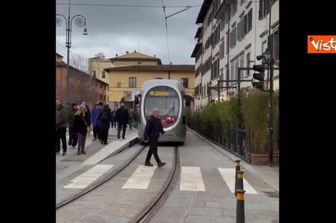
[115,30]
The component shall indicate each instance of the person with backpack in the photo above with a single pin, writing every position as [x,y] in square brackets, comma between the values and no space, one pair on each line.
[104,118]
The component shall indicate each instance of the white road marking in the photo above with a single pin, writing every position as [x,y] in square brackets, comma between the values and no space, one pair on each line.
[88,177]
[191,179]
[141,178]
[108,149]
[228,175]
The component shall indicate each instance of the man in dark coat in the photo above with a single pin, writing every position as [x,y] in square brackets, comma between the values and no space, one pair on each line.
[104,118]
[152,132]
[72,133]
[61,125]
[122,118]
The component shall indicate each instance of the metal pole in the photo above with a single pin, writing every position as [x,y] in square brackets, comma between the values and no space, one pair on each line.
[218,92]
[240,121]
[228,52]
[271,63]
[68,45]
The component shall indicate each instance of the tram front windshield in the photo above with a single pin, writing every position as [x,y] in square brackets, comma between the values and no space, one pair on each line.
[166,100]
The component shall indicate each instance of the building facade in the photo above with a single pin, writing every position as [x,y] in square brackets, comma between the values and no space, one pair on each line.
[232,34]
[97,64]
[130,71]
[125,82]
[82,86]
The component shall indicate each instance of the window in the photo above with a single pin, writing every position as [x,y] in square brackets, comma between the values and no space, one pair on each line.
[132,82]
[215,37]
[215,69]
[185,82]
[221,50]
[264,47]
[158,78]
[210,17]
[233,37]
[246,24]
[103,74]
[216,4]
[248,59]
[104,97]
[207,66]
[222,24]
[94,74]
[236,69]
[241,63]
[240,31]
[276,45]
[227,43]
[249,18]
[232,71]
[100,97]
[118,84]
[233,7]
[263,8]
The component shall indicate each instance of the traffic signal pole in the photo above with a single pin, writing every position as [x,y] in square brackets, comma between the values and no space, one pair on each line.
[271,72]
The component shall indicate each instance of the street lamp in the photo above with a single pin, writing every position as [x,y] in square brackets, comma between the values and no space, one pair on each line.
[80,21]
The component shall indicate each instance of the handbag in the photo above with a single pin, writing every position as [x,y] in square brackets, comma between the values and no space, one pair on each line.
[88,128]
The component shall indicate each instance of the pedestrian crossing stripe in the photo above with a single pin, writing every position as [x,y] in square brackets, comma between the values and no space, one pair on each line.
[191,179]
[141,178]
[85,179]
[228,175]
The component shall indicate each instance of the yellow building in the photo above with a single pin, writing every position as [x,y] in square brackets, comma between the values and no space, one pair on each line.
[98,63]
[96,66]
[130,71]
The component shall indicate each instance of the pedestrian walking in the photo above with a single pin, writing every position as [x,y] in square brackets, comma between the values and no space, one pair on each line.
[61,125]
[122,118]
[81,128]
[105,117]
[95,122]
[152,133]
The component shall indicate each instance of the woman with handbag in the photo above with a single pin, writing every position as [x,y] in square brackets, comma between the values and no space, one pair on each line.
[81,127]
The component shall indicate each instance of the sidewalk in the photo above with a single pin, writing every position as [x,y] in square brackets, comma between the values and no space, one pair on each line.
[66,165]
[270,175]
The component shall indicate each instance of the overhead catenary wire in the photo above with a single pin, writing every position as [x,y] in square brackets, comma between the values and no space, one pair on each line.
[167,36]
[72,52]
[129,5]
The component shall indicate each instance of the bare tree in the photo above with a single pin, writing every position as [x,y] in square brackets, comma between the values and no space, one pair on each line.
[79,62]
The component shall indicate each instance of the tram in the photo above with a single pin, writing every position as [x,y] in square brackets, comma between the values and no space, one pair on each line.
[168,97]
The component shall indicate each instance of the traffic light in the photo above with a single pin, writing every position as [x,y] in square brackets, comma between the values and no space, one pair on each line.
[259,76]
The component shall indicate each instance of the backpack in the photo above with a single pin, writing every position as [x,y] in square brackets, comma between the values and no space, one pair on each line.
[104,116]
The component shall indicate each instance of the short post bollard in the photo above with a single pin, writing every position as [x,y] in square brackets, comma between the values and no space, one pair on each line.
[236,174]
[240,209]
[240,180]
